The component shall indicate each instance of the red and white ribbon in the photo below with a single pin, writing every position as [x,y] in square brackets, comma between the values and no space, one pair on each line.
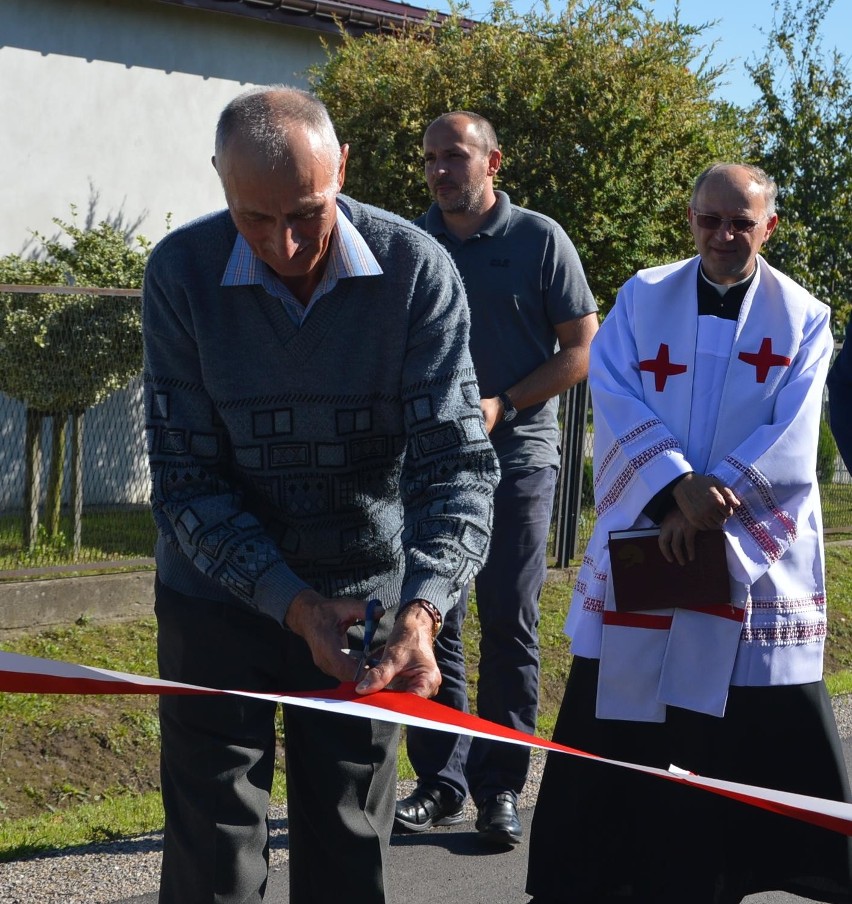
[27,674]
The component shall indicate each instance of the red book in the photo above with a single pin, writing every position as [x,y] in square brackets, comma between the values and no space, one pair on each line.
[643,579]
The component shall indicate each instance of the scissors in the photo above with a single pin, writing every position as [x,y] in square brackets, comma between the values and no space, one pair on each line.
[371,622]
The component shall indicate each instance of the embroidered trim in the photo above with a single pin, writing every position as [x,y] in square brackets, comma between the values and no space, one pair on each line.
[814,602]
[593,604]
[772,550]
[622,441]
[764,490]
[631,469]
[784,635]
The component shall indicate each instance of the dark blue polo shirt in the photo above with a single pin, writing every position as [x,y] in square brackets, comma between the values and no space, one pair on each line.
[522,275]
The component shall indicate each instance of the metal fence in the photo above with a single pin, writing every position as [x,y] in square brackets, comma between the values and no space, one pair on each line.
[102,520]
[74,482]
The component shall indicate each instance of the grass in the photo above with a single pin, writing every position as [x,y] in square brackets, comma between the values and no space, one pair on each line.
[106,535]
[75,770]
[836,501]
[110,534]
[838,659]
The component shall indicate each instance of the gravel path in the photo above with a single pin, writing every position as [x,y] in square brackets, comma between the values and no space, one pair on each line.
[104,873]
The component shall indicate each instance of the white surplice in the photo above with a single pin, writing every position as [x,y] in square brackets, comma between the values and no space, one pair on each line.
[674,393]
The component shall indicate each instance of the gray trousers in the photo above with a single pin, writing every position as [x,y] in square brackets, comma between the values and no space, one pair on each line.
[218,755]
[508,590]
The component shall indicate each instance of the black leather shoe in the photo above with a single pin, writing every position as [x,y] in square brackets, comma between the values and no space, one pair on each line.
[425,808]
[498,821]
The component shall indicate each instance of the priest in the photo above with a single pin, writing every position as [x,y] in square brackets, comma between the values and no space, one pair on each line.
[707,380]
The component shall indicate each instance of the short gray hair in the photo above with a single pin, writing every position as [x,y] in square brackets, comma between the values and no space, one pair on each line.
[262,117]
[759,176]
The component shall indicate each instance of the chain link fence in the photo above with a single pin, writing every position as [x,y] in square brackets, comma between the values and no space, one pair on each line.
[74,481]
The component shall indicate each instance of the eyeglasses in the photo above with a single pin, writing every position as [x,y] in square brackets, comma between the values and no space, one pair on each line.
[737,224]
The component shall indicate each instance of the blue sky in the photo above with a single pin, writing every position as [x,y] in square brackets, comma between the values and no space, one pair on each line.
[737,32]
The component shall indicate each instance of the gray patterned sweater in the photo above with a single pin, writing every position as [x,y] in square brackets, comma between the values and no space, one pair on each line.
[348,454]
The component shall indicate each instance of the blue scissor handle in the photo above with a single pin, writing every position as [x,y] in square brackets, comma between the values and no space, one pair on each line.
[371,622]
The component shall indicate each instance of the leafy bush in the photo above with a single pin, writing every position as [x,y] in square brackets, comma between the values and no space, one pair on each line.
[605,115]
[64,353]
[800,127]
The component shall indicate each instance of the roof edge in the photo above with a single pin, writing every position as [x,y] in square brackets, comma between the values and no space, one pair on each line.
[323,15]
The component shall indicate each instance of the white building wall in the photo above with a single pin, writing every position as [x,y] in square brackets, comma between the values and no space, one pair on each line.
[121,97]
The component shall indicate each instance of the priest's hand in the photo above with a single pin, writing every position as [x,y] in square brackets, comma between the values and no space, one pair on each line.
[704,501]
[408,660]
[322,623]
[677,538]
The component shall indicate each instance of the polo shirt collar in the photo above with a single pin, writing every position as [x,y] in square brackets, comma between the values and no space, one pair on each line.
[495,225]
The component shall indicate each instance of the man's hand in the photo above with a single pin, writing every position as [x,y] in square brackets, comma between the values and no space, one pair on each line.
[677,538]
[704,501]
[492,411]
[322,623]
[408,661]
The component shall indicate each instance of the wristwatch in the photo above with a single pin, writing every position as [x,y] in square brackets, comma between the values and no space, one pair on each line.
[509,410]
[433,612]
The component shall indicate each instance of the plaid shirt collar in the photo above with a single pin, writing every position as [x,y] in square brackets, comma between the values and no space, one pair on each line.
[349,257]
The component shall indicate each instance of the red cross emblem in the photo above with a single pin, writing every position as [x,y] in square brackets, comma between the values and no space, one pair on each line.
[763,360]
[661,367]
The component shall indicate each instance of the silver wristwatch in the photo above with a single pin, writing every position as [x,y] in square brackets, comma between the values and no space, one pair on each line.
[509,410]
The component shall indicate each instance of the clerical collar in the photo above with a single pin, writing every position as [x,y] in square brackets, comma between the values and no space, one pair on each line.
[724,288]
[721,301]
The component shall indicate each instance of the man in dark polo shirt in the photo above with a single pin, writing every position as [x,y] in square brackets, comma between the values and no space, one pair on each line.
[532,319]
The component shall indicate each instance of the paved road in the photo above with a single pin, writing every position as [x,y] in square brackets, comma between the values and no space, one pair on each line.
[450,866]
